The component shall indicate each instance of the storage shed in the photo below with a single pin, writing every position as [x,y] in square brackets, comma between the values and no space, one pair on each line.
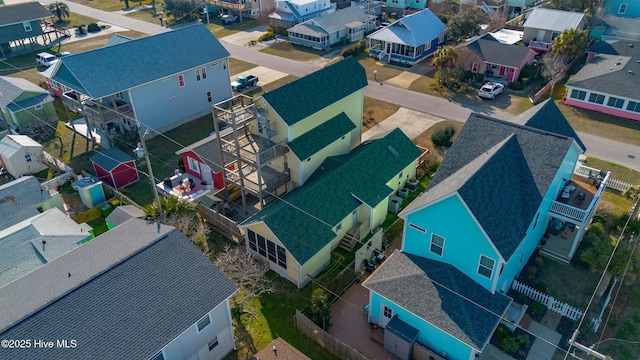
[115,167]
[21,155]
[399,338]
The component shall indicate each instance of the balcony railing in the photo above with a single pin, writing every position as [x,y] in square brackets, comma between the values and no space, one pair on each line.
[578,215]
[540,45]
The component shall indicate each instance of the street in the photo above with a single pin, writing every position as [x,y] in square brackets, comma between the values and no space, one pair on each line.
[620,153]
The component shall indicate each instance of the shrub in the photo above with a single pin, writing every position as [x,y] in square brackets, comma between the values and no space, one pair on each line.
[516,85]
[509,345]
[523,340]
[355,49]
[596,229]
[443,136]
[501,332]
[93,27]
[528,71]
[538,308]
[252,42]
[81,29]
[267,36]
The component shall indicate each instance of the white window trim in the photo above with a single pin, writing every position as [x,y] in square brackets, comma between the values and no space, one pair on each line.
[431,244]
[483,266]
[208,318]
[27,26]
[193,162]
[38,107]
[181,79]
[474,67]
[623,8]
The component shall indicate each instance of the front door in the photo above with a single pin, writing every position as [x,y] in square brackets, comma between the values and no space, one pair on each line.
[540,36]
[206,174]
[387,314]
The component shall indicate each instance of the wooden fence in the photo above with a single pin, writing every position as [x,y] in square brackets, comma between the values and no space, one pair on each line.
[222,225]
[326,340]
[561,308]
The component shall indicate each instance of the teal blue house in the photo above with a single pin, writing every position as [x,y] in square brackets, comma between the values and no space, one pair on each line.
[626,8]
[472,231]
[407,4]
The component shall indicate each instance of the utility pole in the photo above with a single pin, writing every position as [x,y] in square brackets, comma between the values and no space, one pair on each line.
[205,8]
[141,151]
[588,350]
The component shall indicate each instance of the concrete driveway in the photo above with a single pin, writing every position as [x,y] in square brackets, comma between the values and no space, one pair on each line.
[264,74]
[412,123]
[242,38]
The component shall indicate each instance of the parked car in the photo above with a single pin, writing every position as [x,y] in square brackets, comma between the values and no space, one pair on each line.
[490,90]
[46,59]
[63,54]
[229,18]
[244,82]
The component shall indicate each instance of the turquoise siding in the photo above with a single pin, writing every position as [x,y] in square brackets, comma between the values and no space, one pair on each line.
[464,240]
[613,7]
[429,335]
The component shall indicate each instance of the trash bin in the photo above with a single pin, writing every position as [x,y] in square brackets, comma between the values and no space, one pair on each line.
[106,209]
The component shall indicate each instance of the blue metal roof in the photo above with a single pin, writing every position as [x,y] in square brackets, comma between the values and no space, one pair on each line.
[110,158]
[112,69]
[27,103]
[413,30]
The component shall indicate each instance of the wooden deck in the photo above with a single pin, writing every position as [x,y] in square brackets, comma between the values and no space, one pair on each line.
[351,325]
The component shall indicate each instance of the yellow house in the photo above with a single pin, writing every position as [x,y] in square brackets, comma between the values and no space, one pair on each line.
[346,194]
[318,116]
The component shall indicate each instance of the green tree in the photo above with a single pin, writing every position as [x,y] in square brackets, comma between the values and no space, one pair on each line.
[444,59]
[570,43]
[60,9]
[183,10]
[466,24]
[443,136]
[182,215]
[573,5]
[319,309]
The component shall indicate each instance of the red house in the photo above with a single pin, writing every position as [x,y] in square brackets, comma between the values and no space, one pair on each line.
[115,167]
[202,161]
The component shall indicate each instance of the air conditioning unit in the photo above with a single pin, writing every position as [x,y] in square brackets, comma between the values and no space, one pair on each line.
[395,203]
[403,193]
[412,184]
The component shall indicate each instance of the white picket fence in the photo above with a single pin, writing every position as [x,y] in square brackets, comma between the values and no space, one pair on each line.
[612,183]
[561,308]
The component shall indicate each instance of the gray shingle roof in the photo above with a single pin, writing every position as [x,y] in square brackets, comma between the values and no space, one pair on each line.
[13,14]
[18,200]
[338,187]
[415,29]
[321,136]
[496,165]
[123,213]
[304,97]
[112,69]
[108,159]
[615,70]
[551,19]
[12,87]
[138,286]
[330,23]
[495,52]
[21,247]
[441,295]
[207,150]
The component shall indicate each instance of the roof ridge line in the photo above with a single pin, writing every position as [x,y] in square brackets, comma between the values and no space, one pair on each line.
[523,127]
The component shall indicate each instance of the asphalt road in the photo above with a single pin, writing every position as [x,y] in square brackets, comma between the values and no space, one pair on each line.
[620,153]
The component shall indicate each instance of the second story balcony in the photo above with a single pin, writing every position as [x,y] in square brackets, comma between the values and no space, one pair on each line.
[540,46]
[579,198]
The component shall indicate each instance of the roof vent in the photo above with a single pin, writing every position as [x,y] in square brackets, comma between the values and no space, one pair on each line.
[393,151]
[619,58]
[630,72]
[630,45]
[618,63]
[610,68]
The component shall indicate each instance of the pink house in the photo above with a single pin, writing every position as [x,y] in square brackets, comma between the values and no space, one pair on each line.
[488,56]
[608,83]
[202,161]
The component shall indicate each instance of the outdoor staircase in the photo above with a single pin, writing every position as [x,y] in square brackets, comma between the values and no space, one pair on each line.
[347,243]
[554,256]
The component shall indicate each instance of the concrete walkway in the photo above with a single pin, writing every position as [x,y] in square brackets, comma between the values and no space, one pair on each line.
[545,344]
[411,122]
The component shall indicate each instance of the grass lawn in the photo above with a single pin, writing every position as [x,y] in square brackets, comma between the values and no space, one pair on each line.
[291,51]
[221,30]
[110,5]
[148,16]
[375,111]
[99,226]
[370,64]
[75,19]
[237,66]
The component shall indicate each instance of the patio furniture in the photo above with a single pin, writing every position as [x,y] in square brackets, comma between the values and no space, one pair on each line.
[367,266]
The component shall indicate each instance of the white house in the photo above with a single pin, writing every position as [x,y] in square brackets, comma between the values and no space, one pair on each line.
[149,294]
[288,13]
[20,155]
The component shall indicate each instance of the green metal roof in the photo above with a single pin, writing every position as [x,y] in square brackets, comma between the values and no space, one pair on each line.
[321,136]
[303,220]
[306,96]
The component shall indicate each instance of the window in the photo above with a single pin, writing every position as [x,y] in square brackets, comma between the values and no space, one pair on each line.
[209,97]
[427,46]
[27,157]
[213,343]
[422,230]
[282,257]
[198,78]
[158,356]
[354,217]
[339,227]
[578,94]
[387,312]
[633,106]
[554,35]
[474,67]
[401,173]
[596,98]
[615,102]
[262,245]
[181,80]
[193,164]
[224,63]
[267,248]
[622,9]
[437,244]
[201,74]
[27,26]
[485,267]
[203,323]
[252,240]
[38,107]
[271,251]
[441,39]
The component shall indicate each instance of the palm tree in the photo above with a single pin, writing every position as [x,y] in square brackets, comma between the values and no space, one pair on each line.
[444,59]
[60,9]
[570,43]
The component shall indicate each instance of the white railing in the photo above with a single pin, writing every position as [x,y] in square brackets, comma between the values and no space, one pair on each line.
[488,9]
[614,184]
[561,308]
[569,211]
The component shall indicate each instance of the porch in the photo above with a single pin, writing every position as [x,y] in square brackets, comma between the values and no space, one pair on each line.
[183,186]
[540,45]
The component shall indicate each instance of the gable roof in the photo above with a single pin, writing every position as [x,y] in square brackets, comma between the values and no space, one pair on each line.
[415,29]
[109,159]
[614,70]
[18,200]
[556,20]
[12,87]
[112,69]
[36,241]
[303,219]
[123,213]
[321,136]
[331,23]
[304,97]
[14,14]
[496,165]
[12,144]
[441,295]
[495,52]
[144,283]
[207,150]
[117,39]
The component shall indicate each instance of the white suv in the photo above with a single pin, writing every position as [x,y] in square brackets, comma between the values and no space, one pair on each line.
[490,90]
[46,59]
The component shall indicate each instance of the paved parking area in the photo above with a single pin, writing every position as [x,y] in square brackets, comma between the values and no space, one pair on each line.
[403,80]
[264,74]
[242,38]
[412,123]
